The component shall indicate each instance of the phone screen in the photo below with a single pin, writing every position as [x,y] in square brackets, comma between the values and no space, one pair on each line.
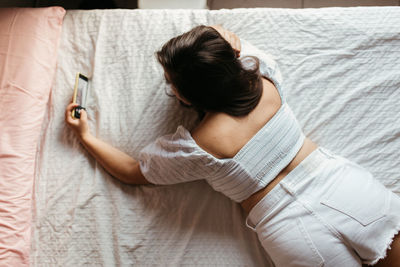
[80,93]
[82,90]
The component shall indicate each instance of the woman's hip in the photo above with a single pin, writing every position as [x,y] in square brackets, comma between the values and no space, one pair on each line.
[319,163]
[328,211]
[305,151]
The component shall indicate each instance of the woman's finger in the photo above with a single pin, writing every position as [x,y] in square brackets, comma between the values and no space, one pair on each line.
[234,43]
[68,111]
[217,27]
[237,47]
[70,119]
[232,39]
[71,106]
[83,115]
[238,44]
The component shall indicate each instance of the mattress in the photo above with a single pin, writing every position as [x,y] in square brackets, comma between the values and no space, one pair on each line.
[341,76]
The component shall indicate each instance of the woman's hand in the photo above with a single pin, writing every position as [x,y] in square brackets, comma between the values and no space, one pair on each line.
[116,162]
[79,126]
[232,38]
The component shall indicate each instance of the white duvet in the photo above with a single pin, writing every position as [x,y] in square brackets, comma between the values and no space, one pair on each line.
[341,73]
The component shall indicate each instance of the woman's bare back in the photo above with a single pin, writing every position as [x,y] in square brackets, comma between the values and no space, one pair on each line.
[223,136]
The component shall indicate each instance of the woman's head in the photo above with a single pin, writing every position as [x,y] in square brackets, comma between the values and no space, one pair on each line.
[204,70]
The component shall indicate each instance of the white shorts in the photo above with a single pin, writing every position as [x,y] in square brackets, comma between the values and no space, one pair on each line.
[328,211]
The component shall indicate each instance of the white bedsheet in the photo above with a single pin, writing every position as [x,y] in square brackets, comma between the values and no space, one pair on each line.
[342,76]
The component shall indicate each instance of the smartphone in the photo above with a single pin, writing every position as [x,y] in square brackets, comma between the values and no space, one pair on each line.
[80,94]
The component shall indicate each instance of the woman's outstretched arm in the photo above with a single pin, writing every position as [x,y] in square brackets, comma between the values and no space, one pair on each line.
[116,162]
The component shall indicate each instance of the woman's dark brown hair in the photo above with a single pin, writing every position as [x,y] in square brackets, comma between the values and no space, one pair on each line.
[204,69]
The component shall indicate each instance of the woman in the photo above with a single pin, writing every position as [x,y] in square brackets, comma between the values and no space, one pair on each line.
[308,206]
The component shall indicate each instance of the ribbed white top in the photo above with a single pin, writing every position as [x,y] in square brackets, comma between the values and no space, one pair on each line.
[262,158]
[177,158]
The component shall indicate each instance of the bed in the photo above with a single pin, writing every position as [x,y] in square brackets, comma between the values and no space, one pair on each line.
[341,76]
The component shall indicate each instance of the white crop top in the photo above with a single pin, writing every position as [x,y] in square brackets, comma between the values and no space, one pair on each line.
[177,158]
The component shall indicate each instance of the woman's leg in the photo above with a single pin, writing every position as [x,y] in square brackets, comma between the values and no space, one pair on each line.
[393,255]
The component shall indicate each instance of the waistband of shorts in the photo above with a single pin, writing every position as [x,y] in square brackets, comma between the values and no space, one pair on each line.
[311,164]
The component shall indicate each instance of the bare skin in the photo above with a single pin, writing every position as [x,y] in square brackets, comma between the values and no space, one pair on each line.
[223,136]
[393,255]
[215,135]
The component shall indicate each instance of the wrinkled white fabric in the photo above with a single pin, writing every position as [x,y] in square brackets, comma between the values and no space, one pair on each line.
[341,77]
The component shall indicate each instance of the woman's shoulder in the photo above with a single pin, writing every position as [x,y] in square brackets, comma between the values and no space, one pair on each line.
[223,135]
[215,135]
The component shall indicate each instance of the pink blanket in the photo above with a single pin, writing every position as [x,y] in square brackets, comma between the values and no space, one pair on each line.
[28,51]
